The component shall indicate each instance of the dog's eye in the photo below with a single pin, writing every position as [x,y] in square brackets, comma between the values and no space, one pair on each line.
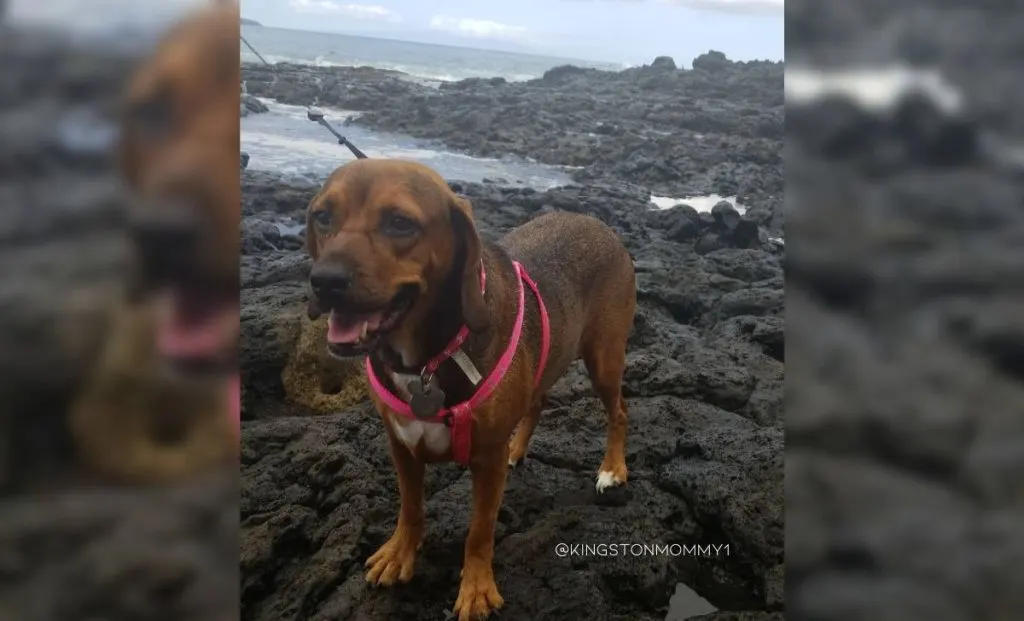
[397,225]
[322,217]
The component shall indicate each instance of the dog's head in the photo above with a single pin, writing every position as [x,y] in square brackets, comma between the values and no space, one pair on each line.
[388,240]
[178,155]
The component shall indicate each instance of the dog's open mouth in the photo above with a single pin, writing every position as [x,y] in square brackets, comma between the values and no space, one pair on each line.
[197,329]
[353,332]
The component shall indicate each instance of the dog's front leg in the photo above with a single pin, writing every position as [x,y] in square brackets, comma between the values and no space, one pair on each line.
[478,593]
[394,561]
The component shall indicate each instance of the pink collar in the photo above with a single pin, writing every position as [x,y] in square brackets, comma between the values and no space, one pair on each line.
[459,417]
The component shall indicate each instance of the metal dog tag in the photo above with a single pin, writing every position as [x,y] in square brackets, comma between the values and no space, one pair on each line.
[426,400]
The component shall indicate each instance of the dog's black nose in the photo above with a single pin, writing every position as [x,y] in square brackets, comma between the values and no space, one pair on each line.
[330,280]
[166,240]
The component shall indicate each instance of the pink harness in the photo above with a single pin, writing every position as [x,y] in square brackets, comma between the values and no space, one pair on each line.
[459,417]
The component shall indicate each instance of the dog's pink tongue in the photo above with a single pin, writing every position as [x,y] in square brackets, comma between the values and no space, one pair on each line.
[182,333]
[346,331]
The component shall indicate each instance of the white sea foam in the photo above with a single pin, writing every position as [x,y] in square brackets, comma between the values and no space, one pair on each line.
[700,203]
[418,74]
[287,228]
[876,89]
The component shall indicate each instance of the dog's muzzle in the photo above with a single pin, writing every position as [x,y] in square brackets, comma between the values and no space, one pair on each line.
[355,325]
[197,309]
[331,283]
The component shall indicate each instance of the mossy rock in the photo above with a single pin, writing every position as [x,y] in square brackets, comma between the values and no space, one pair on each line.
[313,379]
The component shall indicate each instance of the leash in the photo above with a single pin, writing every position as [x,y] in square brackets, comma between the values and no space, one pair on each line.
[458,418]
[258,55]
[313,114]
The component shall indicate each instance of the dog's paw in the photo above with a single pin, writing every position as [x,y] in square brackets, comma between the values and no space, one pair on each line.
[609,478]
[516,454]
[478,595]
[393,562]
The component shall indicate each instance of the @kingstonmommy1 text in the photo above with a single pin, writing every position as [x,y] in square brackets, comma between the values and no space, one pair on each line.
[713,550]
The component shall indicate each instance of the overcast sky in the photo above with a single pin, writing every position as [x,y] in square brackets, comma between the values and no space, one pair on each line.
[615,30]
[632,31]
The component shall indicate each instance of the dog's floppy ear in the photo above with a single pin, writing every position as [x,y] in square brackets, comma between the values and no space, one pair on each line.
[311,234]
[474,309]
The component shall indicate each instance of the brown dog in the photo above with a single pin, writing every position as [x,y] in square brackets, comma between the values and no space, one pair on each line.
[163,401]
[397,262]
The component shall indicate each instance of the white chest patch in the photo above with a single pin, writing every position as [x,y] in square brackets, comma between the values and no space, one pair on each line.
[435,436]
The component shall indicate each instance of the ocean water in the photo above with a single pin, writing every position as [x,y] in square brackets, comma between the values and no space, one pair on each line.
[283,140]
[427,62]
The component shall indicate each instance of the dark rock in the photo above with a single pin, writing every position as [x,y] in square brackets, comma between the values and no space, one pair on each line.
[252,105]
[705,448]
[562,72]
[709,242]
[725,215]
[664,62]
[712,61]
[747,234]
[687,224]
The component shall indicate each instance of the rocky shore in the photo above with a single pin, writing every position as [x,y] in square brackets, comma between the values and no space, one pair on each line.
[704,374]
[704,382]
[714,129]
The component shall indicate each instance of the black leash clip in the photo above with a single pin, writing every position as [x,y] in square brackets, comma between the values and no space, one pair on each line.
[317,116]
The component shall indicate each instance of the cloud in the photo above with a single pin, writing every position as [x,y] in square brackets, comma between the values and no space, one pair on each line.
[732,6]
[756,7]
[478,28]
[352,11]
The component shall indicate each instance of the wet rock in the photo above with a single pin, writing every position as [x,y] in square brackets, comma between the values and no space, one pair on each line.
[251,105]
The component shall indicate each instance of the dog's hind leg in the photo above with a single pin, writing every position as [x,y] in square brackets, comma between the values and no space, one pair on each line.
[521,441]
[605,359]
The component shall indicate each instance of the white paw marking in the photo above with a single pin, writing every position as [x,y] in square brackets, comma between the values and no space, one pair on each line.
[606,479]
[512,462]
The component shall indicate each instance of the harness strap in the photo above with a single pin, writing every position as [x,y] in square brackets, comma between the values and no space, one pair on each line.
[459,417]
[455,345]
